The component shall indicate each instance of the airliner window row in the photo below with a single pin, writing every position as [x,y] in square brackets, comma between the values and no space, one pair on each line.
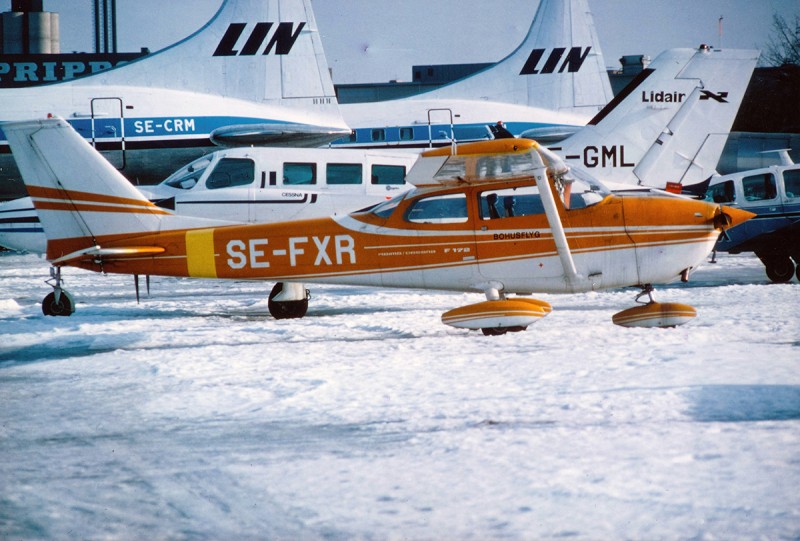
[400,134]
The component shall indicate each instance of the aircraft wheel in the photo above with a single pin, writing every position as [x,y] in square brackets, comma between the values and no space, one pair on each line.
[493,331]
[797,272]
[286,309]
[64,307]
[780,269]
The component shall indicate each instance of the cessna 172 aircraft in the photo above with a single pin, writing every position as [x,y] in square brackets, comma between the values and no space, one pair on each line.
[499,217]
[773,194]
[682,142]
[256,74]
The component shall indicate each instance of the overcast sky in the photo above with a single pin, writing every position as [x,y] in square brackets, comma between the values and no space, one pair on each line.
[379,40]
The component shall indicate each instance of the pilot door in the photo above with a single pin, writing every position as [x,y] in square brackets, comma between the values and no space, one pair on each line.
[108,129]
[513,237]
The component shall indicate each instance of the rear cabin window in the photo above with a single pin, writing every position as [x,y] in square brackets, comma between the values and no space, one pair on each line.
[759,187]
[439,209]
[791,179]
[724,192]
[231,172]
[343,173]
[388,174]
[299,173]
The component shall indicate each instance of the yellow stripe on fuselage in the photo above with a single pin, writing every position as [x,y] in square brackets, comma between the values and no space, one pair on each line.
[200,253]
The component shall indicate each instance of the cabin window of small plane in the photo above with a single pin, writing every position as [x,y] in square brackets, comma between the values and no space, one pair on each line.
[388,174]
[511,202]
[379,135]
[724,192]
[759,187]
[299,173]
[231,172]
[439,209]
[406,134]
[343,173]
[791,181]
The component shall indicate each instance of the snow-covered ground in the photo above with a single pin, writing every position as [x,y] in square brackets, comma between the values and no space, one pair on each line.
[195,415]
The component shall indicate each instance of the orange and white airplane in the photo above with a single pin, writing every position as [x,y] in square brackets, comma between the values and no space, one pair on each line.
[500,217]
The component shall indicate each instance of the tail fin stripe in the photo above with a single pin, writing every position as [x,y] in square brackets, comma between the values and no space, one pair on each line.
[624,93]
[39,192]
[71,206]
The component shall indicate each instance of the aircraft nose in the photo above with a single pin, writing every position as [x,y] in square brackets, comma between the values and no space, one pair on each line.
[725,217]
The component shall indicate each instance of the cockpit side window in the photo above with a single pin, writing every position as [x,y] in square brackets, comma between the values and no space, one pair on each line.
[759,187]
[231,172]
[723,192]
[526,200]
[439,209]
[510,202]
[791,179]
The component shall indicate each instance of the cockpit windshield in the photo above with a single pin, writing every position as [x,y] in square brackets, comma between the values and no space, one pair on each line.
[186,178]
[385,209]
[584,191]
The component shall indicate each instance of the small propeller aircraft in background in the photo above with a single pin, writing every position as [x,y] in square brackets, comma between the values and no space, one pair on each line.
[499,217]
[773,194]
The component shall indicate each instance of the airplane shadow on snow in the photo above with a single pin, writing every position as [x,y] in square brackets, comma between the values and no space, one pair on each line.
[744,403]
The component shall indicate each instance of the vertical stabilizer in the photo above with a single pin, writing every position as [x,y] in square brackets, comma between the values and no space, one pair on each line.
[79,196]
[559,66]
[670,124]
[264,51]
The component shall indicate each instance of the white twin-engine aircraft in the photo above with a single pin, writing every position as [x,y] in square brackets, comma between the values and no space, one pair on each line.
[500,217]
[680,144]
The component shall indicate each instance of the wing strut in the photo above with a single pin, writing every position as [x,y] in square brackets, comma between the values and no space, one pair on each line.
[557,168]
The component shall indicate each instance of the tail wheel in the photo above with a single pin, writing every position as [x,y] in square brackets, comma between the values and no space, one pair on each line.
[286,309]
[780,269]
[65,306]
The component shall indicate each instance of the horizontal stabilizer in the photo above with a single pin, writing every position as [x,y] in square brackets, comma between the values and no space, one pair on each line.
[95,252]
